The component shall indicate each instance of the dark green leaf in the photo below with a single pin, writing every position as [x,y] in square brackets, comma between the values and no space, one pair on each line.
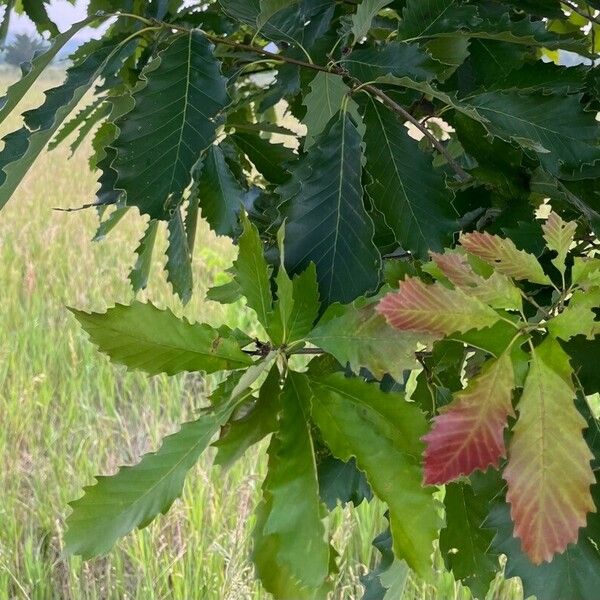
[258,421]
[405,188]
[290,550]
[220,194]
[139,274]
[326,219]
[24,146]
[172,122]
[342,481]
[179,258]
[269,159]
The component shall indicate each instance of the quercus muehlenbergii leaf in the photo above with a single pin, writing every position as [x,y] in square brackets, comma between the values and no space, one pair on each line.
[219,193]
[556,128]
[469,433]
[434,309]
[504,256]
[258,421]
[381,430]
[586,272]
[290,550]
[252,274]
[23,146]
[578,318]
[465,541]
[364,15]
[405,187]
[559,237]
[326,96]
[18,89]
[572,575]
[179,258]
[172,122]
[138,276]
[548,471]
[358,335]
[425,18]
[497,290]
[134,496]
[326,219]
[144,337]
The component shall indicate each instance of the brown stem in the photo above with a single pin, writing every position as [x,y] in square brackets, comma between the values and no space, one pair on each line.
[394,106]
[462,174]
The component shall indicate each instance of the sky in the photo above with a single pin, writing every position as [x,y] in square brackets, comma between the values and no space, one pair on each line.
[63,13]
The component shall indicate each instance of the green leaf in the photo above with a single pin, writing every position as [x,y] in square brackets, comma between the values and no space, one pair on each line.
[36,11]
[179,258]
[290,550]
[405,188]
[342,481]
[268,8]
[383,433]
[18,90]
[228,293]
[306,304]
[426,18]
[563,136]
[357,334]
[268,158]
[252,273]
[138,275]
[159,144]
[398,59]
[134,496]
[574,574]
[326,220]
[220,193]
[279,328]
[364,15]
[143,337]
[258,421]
[579,317]
[559,236]
[22,147]
[464,542]
[327,92]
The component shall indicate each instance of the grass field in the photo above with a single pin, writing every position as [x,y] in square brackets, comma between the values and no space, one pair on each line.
[67,414]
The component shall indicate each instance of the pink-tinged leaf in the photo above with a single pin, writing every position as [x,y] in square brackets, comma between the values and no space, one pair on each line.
[469,434]
[505,257]
[548,473]
[434,309]
[497,290]
[559,236]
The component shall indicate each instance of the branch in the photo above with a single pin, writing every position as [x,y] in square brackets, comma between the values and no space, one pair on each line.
[580,11]
[394,106]
[462,174]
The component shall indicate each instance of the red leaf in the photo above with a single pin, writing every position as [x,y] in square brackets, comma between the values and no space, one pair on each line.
[434,309]
[469,434]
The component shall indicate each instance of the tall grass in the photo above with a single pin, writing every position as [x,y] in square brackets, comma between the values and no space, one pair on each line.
[66,414]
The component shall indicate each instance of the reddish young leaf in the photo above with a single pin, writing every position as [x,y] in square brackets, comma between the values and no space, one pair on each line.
[469,434]
[497,290]
[548,473]
[504,256]
[434,309]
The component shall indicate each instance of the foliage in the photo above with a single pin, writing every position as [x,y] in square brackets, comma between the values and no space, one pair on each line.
[420,120]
